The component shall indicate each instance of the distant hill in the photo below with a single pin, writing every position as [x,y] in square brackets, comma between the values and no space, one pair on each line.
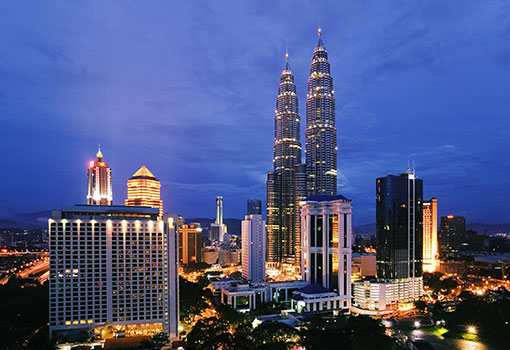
[11,224]
[479,227]
[38,219]
[488,228]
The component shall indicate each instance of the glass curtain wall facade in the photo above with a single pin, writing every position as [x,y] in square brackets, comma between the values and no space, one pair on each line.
[399,213]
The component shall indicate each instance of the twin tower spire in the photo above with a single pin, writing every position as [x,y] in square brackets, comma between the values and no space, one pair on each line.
[291,181]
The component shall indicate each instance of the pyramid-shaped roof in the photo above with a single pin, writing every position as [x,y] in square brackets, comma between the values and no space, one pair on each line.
[143,172]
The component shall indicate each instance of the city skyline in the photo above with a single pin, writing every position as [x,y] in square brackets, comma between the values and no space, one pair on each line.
[452,123]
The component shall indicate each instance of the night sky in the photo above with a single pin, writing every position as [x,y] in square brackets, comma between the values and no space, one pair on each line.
[188,89]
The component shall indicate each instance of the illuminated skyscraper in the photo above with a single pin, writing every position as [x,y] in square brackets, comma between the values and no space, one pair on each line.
[320,134]
[144,190]
[99,182]
[430,246]
[283,188]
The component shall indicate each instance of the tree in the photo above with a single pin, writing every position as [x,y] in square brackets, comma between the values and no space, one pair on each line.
[159,340]
[275,335]
[420,305]
[192,298]
[210,333]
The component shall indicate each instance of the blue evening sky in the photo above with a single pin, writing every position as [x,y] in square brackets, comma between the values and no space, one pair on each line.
[188,88]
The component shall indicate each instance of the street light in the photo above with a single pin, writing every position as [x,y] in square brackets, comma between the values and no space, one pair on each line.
[416,324]
[471,329]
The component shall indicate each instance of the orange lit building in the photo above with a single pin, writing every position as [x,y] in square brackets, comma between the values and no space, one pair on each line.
[190,243]
[144,190]
[99,189]
[430,246]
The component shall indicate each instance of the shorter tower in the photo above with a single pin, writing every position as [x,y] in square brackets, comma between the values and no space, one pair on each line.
[99,182]
[451,235]
[254,206]
[430,245]
[326,243]
[254,248]
[190,243]
[144,190]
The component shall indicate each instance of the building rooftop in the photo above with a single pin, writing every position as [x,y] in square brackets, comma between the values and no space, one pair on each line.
[143,173]
[326,198]
[101,211]
[314,288]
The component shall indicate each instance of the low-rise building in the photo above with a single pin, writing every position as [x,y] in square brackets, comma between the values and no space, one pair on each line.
[316,298]
[384,296]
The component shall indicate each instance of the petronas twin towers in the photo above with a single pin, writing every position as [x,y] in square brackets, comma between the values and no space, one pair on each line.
[290,181]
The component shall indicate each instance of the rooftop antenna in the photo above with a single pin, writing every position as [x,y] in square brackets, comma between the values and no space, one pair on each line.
[286,51]
[320,31]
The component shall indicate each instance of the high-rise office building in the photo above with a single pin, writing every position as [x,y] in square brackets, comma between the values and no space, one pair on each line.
[327,244]
[99,187]
[430,244]
[218,228]
[399,226]
[254,207]
[144,190]
[190,243]
[399,247]
[253,235]
[320,134]
[451,235]
[283,189]
[113,271]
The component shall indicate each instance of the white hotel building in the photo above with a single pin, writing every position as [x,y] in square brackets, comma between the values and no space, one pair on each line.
[113,271]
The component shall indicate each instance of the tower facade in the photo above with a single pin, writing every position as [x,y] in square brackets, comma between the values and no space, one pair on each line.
[253,230]
[320,134]
[399,228]
[430,245]
[99,187]
[283,235]
[144,190]
[327,243]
